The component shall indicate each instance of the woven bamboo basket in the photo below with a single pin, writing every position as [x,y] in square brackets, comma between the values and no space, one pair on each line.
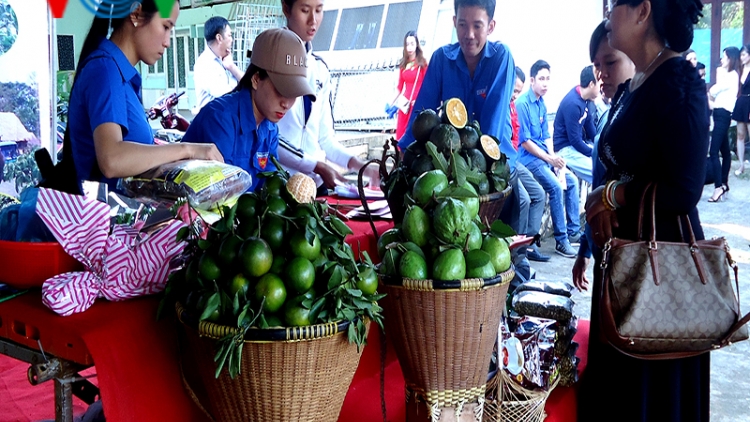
[289,374]
[443,333]
[506,401]
[491,205]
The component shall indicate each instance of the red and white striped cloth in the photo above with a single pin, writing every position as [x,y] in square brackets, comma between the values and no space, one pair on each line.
[119,264]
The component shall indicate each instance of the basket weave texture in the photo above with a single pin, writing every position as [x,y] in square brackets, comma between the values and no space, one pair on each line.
[300,379]
[444,338]
[491,205]
[507,401]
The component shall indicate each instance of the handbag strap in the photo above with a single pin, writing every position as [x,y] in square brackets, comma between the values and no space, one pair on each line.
[411,97]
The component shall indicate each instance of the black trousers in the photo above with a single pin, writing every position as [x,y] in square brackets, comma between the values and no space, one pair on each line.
[720,143]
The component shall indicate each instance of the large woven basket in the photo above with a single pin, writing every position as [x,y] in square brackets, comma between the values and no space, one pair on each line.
[506,401]
[289,374]
[443,333]
[491,205]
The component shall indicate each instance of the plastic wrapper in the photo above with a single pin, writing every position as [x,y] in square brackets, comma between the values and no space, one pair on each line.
[568,366]
[565,334]
[528,351]
[552,287]
[120,262]
[543,305]
[205,184]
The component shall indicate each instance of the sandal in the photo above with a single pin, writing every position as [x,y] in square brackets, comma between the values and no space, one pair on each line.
[714,199]
[739,172]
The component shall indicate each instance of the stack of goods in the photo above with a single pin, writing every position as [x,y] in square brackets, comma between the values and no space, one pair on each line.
[549,304]
[447,267]
[273,281]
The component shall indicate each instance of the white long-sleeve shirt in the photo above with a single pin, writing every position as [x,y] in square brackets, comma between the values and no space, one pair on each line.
[302,144]
[725,89]
[211,78]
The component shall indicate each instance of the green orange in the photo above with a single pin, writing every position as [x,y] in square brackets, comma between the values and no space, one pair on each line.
[272,289]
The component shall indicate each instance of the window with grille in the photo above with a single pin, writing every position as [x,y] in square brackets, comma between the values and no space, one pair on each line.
[401,18]
[324,37]
[359,28]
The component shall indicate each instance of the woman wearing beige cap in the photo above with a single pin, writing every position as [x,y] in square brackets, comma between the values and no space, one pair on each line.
[242,124]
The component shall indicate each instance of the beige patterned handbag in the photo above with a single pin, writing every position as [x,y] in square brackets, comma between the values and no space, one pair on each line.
[667,300]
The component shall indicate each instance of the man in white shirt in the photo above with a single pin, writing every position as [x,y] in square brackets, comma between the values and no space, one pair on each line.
[306,134]
[215,73]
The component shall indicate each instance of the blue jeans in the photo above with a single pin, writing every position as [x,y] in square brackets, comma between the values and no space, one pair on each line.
[578,163]
[536,198]
[560,212]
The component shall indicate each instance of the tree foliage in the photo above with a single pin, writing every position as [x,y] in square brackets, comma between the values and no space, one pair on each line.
[23,100]
[8,27]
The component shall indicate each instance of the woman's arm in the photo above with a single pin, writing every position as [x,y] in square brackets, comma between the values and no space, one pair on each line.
[118,158]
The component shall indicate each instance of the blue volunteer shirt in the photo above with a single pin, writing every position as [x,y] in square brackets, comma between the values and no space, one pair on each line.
[229,123]
[574,121]
[486,96]
[532,118]
[107,90]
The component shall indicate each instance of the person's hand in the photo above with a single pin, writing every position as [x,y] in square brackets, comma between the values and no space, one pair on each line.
[556,161]
[329,175]
[204,152]
[372,172]
[228,61]
[601,220]
[579,273]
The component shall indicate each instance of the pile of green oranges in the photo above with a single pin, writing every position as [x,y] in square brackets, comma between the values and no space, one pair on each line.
[277,258]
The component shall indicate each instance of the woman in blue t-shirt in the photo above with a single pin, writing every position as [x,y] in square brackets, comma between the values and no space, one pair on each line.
[108,134]
[242,124]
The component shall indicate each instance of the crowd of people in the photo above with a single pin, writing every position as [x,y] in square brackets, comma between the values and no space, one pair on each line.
[638,115]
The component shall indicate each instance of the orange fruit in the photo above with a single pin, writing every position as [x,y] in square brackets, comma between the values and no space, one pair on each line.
[272,288]
[295,314]
[208,268]
[240,284]
[247,206]
[299,274]
[301,247]
[228,250]
[367,280]
[256,257]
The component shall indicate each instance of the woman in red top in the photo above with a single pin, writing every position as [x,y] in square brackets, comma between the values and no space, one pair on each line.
[410,76]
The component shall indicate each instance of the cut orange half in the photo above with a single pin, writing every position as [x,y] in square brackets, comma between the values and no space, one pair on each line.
[455,113]
[490,147]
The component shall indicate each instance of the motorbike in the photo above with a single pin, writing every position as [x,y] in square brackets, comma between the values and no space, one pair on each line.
[173,124]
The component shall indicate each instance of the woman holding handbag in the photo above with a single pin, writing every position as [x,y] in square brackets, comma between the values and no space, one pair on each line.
[410,76]
[657,133]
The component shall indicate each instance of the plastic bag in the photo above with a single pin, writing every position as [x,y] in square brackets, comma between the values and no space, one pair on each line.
[552,287]
[206,184]
[543,305]
[527,351]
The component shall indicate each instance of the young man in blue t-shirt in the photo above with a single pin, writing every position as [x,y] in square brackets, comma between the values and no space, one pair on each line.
[480,73]
[575,129]
[536,153]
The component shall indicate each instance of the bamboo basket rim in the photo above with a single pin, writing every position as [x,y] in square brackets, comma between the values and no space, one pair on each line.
[267,335]
[465,285]
[496,195]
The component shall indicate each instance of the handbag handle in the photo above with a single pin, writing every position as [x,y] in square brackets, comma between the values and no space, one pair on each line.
[653,247]
[411,97]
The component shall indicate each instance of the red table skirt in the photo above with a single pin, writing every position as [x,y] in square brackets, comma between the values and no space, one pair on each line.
[137,358]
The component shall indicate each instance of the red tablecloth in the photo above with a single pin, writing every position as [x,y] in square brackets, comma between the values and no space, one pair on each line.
[137,364]
[136,357]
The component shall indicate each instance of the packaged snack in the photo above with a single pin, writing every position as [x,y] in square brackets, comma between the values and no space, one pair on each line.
[568,366]
[552,287]
[205,184]
[543,305]
[528,353]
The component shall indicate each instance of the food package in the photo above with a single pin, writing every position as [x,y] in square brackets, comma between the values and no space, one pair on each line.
[565,333]
[543,305]
[528,353]
[568,366]
[206,184]
[552,287]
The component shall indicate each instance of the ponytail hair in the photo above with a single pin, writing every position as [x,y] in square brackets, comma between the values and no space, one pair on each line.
[100,26]
[673,20]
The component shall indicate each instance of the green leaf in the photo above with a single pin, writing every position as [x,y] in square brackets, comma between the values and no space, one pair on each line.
[336,278]
[340,227]
[460,169]
[354,292]
[361,304]
[236,303]
[348,314]
[458,192]
[366,258]
[438,160]
[204,244]
[500,229]
[212,304]
[236,367]
[182,234]
[307,303]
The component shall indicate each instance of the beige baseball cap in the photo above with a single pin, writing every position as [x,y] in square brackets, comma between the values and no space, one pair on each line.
[281,53]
